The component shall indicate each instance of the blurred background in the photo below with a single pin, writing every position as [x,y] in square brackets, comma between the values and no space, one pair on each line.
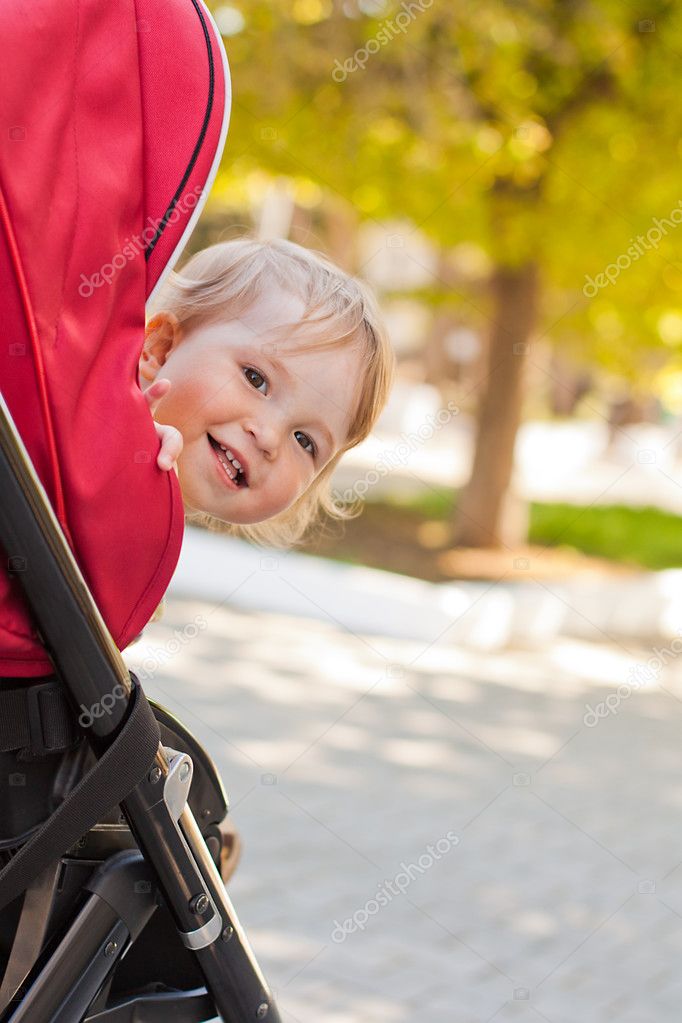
[474,684]
[507,179]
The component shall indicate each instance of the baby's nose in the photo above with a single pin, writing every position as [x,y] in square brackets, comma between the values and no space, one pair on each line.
[268,436]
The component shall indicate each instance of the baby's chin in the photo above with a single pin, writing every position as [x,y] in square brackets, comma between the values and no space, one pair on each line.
[197,506]
[239,508]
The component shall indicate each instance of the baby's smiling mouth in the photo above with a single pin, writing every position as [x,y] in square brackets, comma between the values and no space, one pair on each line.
[236,474]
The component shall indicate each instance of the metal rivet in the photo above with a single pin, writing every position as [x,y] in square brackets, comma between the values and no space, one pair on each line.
[227,933]
[154,775]
[198,904]
[262,1010]
[110,948]
[184,770]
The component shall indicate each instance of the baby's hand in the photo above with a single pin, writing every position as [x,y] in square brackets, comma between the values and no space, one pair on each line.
[171,439]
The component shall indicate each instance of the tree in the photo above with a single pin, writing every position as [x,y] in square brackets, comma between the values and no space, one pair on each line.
[544,131]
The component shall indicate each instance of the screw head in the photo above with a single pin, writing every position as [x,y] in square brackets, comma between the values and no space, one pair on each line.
[262,1010]
[184,770]
[154,775]
[198,904]
[227,933]
[110,948]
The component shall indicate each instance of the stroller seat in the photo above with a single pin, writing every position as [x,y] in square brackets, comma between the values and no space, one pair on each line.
[113,832]
[157,952]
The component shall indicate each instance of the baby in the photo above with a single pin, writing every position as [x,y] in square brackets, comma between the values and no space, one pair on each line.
[262,365]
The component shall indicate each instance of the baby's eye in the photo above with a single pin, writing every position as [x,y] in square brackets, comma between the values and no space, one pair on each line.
[311,449]
[250,370]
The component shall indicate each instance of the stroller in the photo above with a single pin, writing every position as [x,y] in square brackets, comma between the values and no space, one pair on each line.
[113,839]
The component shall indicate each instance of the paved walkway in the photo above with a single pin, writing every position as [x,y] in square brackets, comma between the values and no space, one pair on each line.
[437,833]
[480,615]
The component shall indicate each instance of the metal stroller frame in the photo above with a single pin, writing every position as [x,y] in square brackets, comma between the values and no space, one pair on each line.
[70,983]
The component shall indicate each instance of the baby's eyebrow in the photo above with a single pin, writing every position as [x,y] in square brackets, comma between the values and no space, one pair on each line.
[280,367]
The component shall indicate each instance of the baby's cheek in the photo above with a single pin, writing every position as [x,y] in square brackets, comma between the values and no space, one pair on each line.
[299,491]
[188,406]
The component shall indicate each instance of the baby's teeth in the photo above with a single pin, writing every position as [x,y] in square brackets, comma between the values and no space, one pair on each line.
[229,454]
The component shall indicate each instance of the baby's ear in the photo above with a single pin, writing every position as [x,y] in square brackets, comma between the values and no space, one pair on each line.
[162,334]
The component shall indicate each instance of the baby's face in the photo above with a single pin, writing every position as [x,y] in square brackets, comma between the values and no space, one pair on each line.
[281,414]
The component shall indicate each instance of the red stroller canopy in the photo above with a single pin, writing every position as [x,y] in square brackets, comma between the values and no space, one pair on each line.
[114,117]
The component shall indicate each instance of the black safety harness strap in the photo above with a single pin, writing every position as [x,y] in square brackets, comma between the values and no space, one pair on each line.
[38,718]
[105,785]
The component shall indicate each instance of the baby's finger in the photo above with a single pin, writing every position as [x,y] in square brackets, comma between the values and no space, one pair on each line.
[156,391]
[171,445]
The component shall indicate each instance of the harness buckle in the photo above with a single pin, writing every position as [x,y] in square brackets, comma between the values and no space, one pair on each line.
[37,745]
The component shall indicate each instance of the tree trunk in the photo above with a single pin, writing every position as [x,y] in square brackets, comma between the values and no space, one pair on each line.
[480,515]
[341,229]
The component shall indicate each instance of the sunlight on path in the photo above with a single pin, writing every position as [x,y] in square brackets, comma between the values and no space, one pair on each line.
[434,833]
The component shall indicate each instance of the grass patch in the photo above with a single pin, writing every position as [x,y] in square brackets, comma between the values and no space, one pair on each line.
[637,536]
[437,503]
[647,536]
[403,535]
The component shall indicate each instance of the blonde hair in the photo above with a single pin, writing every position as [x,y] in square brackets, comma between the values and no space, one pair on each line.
[340,309]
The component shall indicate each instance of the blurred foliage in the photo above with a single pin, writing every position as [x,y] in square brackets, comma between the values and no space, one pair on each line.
[544,129]
[637,536]
[645,537]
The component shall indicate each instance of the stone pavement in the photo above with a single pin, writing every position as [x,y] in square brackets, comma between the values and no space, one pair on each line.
[439,833]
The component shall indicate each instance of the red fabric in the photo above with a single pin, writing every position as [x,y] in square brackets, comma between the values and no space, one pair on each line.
[175,115]
[101,107]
